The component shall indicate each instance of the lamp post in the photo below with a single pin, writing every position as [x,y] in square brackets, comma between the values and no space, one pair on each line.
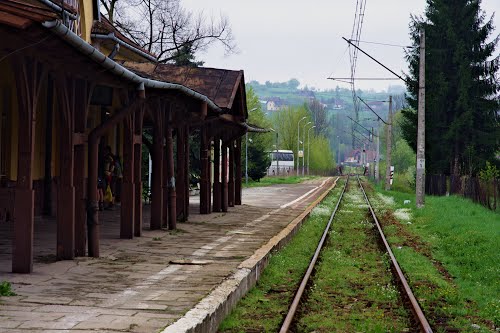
[277,159]
[308,148]
[304,149]
[246,151]
[298,144]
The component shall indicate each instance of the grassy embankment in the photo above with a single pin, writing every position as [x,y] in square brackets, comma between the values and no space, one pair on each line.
[449,252]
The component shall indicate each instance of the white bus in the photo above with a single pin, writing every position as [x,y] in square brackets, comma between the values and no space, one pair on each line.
[281,163]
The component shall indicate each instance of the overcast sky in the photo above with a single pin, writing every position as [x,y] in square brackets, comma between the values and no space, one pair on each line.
[283,39]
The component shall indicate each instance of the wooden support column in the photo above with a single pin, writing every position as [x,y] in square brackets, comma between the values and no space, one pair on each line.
[127,215]
[93,225]
[137,172]
[166,177]
[224,187]
[28,78]
[180,180]
[231,195]
[217,185]
[81,111]
[205,172]
[66,91]
[172,212]
[238,174]
[49,133]
[186,174]
[156,179]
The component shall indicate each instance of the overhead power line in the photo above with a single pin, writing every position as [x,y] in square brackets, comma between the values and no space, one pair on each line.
[384,44]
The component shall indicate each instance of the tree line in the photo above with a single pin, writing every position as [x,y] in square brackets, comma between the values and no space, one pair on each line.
[462,87]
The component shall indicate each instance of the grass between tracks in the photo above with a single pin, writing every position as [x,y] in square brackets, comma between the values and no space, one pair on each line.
[353,289]
[268,181]
[449,252]
[264,307]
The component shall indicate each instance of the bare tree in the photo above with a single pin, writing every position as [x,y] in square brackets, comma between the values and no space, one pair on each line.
[166,29]
[318,114]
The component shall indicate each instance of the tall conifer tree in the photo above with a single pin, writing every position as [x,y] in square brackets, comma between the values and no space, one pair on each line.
[462,87]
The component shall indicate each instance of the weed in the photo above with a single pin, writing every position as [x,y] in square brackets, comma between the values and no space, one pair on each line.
[6,289]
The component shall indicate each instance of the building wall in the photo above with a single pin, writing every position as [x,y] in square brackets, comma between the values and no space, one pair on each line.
[87,18]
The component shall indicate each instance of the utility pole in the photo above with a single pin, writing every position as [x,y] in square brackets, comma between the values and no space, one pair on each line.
[389,148]
[304,150]
[377,162]
[298,145]
[420,181]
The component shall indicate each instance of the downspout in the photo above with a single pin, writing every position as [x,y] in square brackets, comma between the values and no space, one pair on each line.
[88,50]
[111,36]
[59,9]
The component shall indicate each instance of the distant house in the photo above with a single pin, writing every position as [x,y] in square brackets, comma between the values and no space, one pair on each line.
[337,104]
[275,104]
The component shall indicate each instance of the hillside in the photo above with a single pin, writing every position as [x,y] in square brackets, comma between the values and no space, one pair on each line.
[289,94]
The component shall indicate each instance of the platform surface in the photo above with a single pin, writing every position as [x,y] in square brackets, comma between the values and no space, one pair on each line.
[147,283]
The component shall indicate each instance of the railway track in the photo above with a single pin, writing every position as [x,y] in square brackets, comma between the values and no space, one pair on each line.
[418,320]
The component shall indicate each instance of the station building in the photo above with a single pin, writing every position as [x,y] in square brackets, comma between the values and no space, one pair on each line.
[71,84]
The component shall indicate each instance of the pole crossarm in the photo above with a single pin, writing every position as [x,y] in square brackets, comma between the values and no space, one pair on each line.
[373,111]
[363,78]
[378,62]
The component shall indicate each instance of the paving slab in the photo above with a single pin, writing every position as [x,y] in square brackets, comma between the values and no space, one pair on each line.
[155,282]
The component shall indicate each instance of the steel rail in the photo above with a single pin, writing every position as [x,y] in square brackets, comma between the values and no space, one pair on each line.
[415,307]
[293,308]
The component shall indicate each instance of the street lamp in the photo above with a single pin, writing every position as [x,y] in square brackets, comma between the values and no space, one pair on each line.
[304,149]
[298,143]
[246,151]
[276,145]
[308,148]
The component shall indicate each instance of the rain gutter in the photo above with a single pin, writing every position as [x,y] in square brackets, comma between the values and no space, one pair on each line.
[111,36]
[59,9]
[91,52]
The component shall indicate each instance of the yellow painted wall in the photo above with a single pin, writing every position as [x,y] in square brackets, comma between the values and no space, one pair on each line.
[86,18]
[123,54]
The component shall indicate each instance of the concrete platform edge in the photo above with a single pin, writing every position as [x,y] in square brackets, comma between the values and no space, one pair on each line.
[206,316]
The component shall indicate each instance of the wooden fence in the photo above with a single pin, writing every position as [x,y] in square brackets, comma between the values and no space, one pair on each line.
[486,193]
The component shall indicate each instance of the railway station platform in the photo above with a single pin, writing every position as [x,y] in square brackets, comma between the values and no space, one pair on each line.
[182,281]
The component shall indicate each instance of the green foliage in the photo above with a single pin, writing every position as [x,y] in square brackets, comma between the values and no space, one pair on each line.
[489,172]
[403,156]
[259,144]
[461,89]
[285,122]
[6,289]
[184,56]
[322,158]
[463,239]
